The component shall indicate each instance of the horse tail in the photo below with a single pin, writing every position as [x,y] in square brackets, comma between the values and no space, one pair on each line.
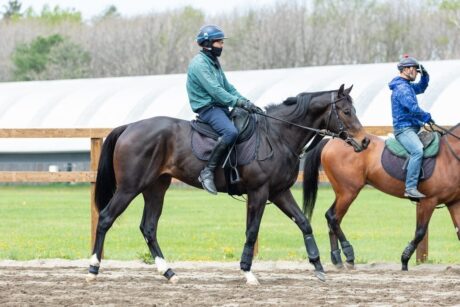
[312,163]
[105,179]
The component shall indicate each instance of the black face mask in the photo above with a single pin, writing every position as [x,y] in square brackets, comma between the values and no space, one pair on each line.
[216,51]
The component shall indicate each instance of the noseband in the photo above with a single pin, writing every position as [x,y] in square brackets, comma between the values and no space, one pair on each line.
[343,134]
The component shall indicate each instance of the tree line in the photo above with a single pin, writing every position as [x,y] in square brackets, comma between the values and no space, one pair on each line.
[57,43]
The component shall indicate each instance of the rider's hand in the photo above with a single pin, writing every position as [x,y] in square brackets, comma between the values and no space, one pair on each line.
[423,70]
[248,106]
[431,122]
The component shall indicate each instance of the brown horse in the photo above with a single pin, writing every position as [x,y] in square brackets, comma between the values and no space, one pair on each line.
[142,157]
[348,172]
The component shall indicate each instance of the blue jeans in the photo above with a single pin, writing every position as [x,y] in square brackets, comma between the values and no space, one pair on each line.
[409,139]
[219,119]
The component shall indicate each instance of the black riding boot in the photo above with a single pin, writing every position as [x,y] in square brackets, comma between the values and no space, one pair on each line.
[207,174]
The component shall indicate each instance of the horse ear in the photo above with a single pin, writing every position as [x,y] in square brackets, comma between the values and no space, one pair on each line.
[348,90]
[340,93]
[290,101]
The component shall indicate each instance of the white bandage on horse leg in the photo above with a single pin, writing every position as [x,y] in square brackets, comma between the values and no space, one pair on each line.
[94,261]
[162,265]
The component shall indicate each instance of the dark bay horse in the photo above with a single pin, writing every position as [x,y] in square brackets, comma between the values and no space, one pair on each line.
[142,157]
[348,172]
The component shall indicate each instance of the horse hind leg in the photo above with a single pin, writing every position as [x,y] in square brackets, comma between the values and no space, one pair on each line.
[119,202]
[153,206]
[425,209]
[334,217]
[336,257]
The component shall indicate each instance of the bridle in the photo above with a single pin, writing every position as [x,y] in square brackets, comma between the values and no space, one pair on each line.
[343,134]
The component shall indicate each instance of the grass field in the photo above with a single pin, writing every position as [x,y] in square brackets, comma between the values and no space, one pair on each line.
[54,222]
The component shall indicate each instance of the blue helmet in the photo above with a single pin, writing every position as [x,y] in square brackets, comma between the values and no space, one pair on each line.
[407,61]
[209,33]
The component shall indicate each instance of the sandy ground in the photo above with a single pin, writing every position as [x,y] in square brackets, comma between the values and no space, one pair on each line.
[128,283]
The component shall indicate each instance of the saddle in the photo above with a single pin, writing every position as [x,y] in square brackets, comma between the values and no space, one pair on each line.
[395,157]
[243,152]
[244,122]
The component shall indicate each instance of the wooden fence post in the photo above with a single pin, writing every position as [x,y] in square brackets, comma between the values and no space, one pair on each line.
[96,145]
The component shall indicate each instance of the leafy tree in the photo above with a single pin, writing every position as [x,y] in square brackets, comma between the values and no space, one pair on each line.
[453,9]
[12,9]
[54,15]
[111,11]
[67,61]
[52,57]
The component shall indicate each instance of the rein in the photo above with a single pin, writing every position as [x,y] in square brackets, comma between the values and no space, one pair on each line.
[322,132]
[444,131]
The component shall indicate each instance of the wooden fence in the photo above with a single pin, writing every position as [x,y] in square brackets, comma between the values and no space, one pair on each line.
[96,136]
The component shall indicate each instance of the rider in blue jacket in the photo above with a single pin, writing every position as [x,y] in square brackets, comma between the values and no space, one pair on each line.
[211,95]
[408,117]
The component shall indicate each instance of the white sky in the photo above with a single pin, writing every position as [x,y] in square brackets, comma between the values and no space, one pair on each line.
[90,8]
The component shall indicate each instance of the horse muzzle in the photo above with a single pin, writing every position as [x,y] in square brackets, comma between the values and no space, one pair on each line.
[352,142]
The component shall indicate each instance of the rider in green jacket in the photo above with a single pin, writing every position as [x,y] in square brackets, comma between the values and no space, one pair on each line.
[211,95]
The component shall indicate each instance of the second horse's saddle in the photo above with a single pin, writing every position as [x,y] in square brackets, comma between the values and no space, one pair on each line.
[395,157]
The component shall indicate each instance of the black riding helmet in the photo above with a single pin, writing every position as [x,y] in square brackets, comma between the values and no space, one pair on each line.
[208,34]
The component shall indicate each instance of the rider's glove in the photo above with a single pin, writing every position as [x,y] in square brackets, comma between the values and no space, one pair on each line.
[423,70]
[248,106]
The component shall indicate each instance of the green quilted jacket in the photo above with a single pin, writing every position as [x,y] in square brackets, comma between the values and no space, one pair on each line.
[208,86]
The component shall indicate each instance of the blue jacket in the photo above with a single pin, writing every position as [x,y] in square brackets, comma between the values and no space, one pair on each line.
[404,105]
[207,84]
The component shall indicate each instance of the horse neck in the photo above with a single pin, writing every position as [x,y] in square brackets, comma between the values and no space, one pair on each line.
[295,137]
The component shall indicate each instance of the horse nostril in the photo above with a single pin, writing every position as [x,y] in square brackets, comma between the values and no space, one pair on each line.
[365,142]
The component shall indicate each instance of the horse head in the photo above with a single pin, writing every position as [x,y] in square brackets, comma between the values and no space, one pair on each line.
[341,118]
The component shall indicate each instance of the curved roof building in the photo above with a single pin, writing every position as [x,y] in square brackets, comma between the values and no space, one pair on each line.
[110,102]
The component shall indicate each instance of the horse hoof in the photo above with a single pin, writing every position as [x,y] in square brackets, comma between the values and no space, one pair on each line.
[320,275]
[339,266]
[91,277]
[253,283]
[350,265]
[251,279]
[174,279]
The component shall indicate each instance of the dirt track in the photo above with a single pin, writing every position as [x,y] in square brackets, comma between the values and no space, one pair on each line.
[61,282]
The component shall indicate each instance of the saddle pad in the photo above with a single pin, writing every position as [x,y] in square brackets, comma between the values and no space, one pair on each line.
[429,150]
[394,166]
[202,147]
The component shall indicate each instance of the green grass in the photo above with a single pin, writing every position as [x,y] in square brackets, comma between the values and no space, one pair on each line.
[54,222]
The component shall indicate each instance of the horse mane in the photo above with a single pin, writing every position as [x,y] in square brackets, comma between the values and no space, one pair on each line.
[301,102]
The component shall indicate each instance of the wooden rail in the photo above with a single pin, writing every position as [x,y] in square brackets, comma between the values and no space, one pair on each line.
[96,135]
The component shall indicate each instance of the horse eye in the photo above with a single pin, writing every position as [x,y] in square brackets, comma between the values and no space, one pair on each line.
[347,112]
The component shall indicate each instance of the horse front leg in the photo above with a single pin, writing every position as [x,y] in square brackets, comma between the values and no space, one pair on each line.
[287,204]
[255,210]
[454,210]
[424,211]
